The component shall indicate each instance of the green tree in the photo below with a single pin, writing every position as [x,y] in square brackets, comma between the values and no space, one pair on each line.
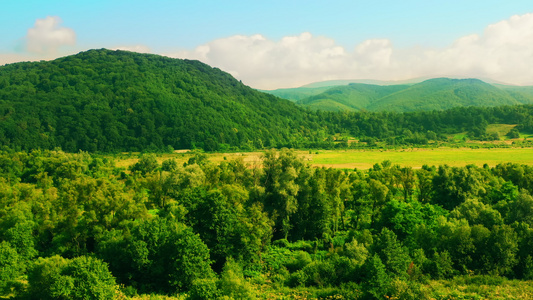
[147,163]
[80,278]
[159,255]
[11,267]
[392,253]
[452,185]
[377,282]
[281,172]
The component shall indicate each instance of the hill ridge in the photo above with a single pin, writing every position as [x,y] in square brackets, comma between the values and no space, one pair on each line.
[105,100]
[432,94]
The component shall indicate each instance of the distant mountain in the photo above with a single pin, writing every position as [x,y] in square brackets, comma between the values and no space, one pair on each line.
[444,93]
[315,88]
[102,100]
[332,83]
[295,94]
[524,94]
[355,96]
[432,94]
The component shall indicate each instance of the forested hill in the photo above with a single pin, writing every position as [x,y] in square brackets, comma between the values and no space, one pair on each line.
[103,100]
[432,94]
[445,93]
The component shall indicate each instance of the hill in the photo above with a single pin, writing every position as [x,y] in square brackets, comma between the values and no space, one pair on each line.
[295,94]
[315,88]
[103,100]
[432,94]
[444,93]
[355,96]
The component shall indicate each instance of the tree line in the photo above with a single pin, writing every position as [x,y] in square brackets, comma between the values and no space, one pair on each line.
[76,226]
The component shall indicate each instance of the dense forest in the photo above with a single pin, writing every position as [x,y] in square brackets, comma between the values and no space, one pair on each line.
[114,101]
[75,226]
[103,100]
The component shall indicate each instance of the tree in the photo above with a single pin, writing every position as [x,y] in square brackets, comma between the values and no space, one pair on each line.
[521,209]
[475,212]
[160,255]
[392,253]
[452,185]
[147,163]
[11,267]
[377,282]
[502,248]
[281,172]
[80,278]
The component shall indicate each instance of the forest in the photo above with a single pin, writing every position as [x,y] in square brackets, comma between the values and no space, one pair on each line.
[76,226]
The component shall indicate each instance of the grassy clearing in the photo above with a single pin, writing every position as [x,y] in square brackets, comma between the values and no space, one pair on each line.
[457,288]
[500,129]
[416,158]
[365,159]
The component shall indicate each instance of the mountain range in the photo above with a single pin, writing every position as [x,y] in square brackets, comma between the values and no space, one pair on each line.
[431,94]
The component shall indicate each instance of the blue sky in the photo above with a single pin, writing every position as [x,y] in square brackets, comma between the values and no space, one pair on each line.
[270,44]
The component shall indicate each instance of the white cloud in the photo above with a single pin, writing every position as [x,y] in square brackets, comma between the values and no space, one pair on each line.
[264,63]
[9,58]
[47,35]
[135,48]
[503,52]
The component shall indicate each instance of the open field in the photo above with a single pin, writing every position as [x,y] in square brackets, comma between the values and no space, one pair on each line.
[365,159]
[416,158]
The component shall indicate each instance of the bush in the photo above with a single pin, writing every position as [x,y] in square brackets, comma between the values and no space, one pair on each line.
[80,278]
[232,282]
[204,289]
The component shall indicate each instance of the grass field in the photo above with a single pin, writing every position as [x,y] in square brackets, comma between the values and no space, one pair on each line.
[365,159]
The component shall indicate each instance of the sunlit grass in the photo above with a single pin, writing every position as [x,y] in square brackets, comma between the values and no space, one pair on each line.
[365,159]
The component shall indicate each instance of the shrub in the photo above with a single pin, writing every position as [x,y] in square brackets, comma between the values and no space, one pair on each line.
[204,289]
[80,278]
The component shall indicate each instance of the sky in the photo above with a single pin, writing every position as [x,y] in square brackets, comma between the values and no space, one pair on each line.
[290,43]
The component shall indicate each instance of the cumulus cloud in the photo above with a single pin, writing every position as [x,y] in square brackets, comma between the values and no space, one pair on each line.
[135,48]
[47,35]
[265,63]
[504,52]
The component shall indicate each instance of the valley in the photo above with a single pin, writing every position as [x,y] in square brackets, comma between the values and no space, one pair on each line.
[137,176]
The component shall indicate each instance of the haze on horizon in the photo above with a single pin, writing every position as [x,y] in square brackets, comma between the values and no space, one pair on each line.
[279,44]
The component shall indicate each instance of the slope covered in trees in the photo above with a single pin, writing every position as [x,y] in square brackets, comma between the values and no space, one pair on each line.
[103,100]
[355,96]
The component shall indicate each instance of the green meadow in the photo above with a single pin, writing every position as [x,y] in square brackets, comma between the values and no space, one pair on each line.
[365,159]
[416,158]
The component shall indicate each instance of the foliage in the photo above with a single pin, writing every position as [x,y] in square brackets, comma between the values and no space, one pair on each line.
[73,224]
[80,278]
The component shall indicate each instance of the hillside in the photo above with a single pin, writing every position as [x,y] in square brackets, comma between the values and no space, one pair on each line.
[103,100]
[295,94]
[355,96]
[444,93]
[432,94]
[315,88]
